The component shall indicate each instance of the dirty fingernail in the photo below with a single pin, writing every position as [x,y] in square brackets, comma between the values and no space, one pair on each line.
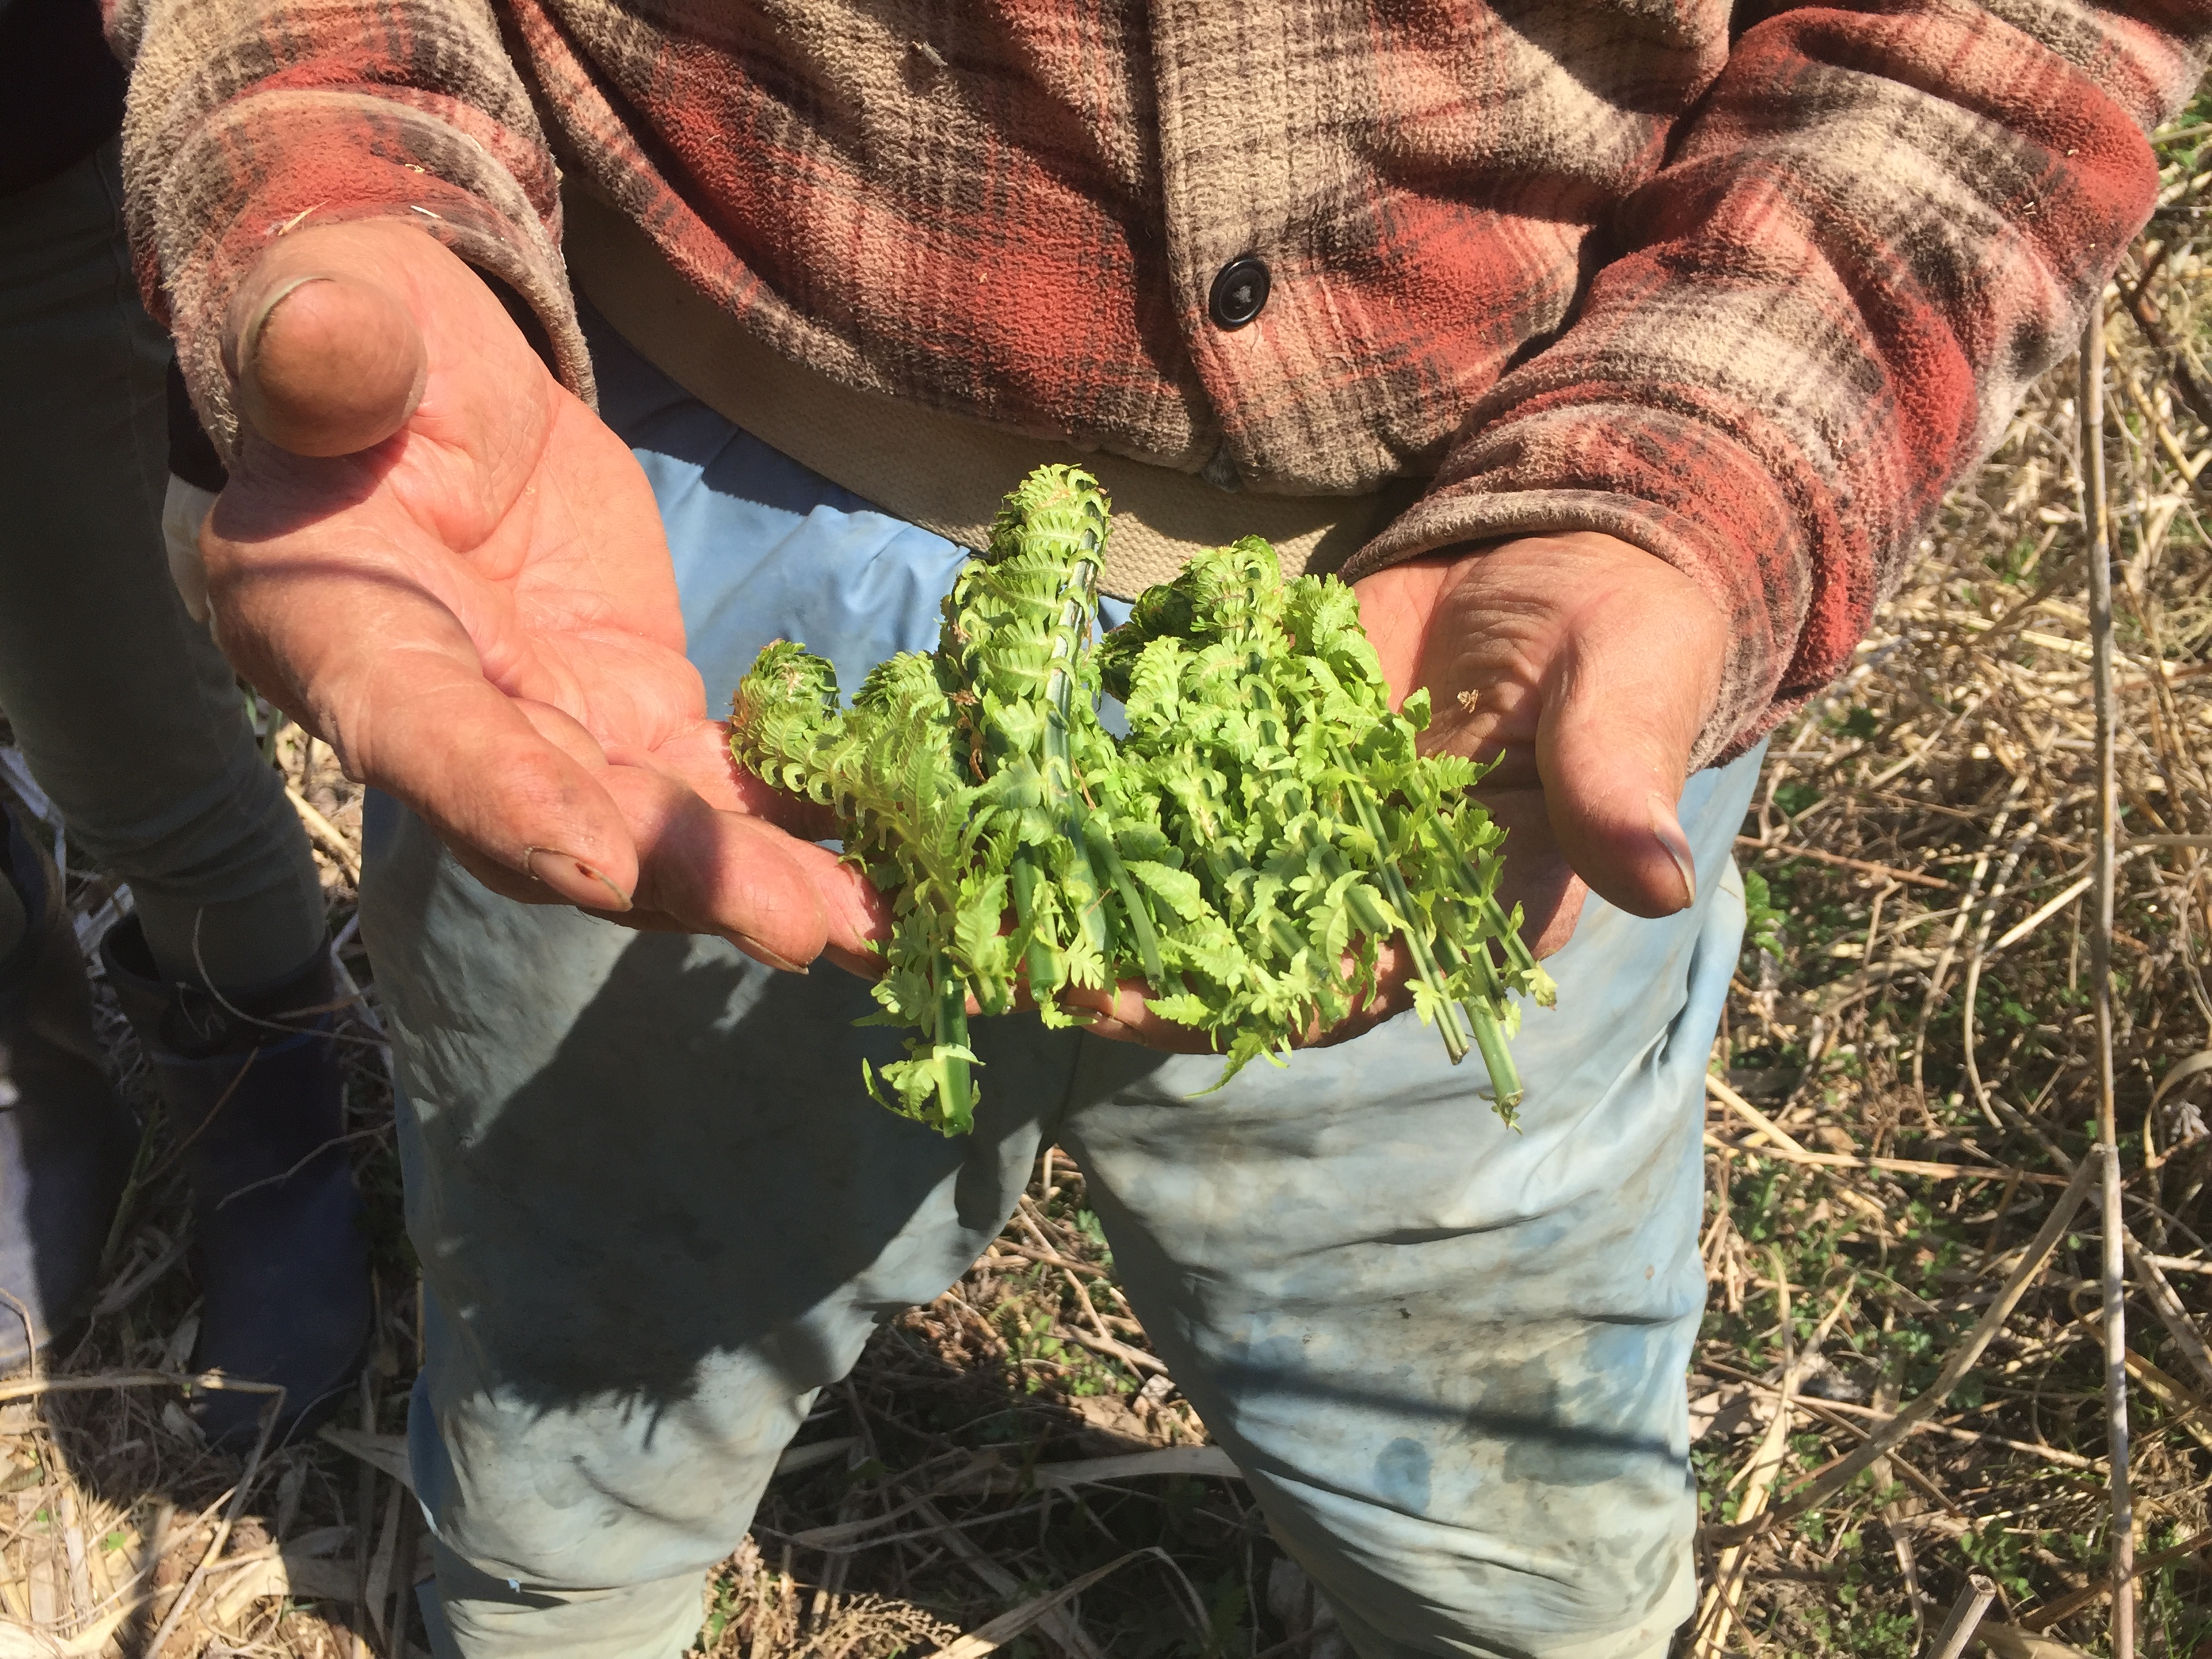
[579,882]
[1668,833]
[759,953]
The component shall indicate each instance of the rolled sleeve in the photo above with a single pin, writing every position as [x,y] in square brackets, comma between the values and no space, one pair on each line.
[1879,226]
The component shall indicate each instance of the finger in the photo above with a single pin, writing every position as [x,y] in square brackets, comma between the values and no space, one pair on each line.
[1533,872]
[1119,1013]
[523,889]
[584,890]
[563,730]
[1614,748]
[679,763]
[857,916]
[469,761]
[700,756]
[325,365]
[183,509]
[782,900]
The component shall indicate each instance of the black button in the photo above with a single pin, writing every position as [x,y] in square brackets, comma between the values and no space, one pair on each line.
[1240,291]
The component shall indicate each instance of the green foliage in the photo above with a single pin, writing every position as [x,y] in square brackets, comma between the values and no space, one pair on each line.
[1765,924]
[1265,828]
[1795,796]
[2001,1553]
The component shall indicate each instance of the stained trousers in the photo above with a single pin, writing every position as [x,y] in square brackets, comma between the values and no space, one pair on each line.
[657,1212]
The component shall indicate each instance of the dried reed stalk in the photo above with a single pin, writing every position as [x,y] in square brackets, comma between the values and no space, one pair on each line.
[2097,520]
[1965,1616]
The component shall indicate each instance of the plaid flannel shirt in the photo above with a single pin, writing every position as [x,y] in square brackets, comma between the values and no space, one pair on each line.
[1748,286]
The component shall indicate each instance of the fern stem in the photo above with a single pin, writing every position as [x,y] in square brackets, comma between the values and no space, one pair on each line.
[1482,1015]
[1142,935]
[1038,957]
[1394,888]
[956,1091]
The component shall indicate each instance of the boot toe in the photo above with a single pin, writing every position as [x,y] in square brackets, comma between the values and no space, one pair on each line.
[286,1272]
[257,1102]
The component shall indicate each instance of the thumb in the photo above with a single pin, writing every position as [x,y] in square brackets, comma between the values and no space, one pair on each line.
[1613,746]
[325,365]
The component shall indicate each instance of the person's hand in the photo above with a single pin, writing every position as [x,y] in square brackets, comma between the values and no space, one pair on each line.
[441,563]
[1586,667]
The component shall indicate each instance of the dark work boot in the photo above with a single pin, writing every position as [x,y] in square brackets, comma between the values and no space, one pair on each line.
[257,1109]
[66,1140]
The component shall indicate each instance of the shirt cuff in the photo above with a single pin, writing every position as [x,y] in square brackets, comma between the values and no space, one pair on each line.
[276,162]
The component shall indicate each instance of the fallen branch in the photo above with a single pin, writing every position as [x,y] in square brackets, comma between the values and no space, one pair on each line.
[2065,1460]
[30,1387]
[1135,1358]
[333,838]
[1784,849]
[1814,1160]
[1206,1463]
[1790,1149]
[1051,1259]
[2154,332]
[2167,1305]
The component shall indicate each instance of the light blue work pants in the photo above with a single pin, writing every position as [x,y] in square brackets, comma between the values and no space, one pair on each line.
[656,1212]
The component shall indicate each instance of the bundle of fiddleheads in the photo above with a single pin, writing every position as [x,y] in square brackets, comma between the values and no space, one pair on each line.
[1265,830]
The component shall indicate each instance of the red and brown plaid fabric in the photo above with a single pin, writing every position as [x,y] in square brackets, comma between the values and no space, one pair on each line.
[1746,287]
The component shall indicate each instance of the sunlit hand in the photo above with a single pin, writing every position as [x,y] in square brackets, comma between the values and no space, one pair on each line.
[439,562]
[1586,667]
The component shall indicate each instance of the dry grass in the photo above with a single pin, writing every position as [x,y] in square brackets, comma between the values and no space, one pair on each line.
[1924,828]
[1928,827]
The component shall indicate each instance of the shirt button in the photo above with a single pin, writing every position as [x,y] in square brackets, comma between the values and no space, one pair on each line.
[1240,291]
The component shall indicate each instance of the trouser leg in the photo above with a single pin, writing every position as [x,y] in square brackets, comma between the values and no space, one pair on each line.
[477,1613]
[1450,1356]
[656,1212]
[128,715]
[655,1209]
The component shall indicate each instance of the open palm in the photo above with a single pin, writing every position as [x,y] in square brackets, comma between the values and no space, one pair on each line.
[477,610]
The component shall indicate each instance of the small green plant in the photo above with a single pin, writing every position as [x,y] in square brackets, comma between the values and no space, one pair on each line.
[1796,796]
[1764,924]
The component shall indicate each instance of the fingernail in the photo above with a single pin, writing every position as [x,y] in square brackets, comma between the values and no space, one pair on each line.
[1668,833]
[260,320]
[759,953]
[574,880]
